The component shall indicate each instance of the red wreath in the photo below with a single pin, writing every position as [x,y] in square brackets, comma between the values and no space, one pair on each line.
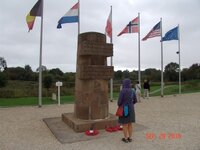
[91,132]
[119,127]
[111,129]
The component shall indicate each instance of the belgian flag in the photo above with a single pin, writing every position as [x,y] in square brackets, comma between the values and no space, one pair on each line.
[35,11]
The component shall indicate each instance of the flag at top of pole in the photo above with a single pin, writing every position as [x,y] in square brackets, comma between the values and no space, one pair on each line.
[108,28]
[131,27]
[70,17]
[35,11]
[171,35]
[155,31]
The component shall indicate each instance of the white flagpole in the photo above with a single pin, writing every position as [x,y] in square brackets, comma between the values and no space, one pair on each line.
[179,53]
[161,59]
[111,61]
[40,60]
[78,17]
[139,72]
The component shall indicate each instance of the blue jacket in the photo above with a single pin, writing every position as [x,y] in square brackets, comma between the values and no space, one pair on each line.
[127,95]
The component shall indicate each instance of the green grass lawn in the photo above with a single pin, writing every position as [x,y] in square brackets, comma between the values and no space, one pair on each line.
[33,101]
[169,89]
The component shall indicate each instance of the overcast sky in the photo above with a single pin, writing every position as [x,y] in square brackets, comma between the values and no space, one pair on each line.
[20,48]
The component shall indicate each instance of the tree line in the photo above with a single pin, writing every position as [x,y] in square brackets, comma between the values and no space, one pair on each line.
[171,74]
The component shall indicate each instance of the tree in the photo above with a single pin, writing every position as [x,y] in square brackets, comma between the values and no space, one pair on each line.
[126,74]
[118,75]
[28,75]
[44,68]
[69,76]
[57,73]
[151,74]
[3,80]
[134,75]
[184,74]
[171,72]
[3,64]
[194,71]
[48,80]
[15,73]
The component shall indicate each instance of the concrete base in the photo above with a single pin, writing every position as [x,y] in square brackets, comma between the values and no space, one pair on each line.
[79,125]
[65,134]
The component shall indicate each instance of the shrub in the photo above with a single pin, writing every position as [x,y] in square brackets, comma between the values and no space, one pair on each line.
[3,80]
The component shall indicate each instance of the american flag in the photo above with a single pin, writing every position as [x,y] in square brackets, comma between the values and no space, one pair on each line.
[131,27]
[155,31]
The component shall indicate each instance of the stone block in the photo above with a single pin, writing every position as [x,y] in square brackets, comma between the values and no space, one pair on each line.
[79,125]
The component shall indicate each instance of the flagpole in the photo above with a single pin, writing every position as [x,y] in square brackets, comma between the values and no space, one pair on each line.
[111,62]
[179,59]
[40,60]
[139,72]
[78,17]
[161,59]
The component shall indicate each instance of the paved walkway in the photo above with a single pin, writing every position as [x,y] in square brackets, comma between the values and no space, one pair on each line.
[171,123]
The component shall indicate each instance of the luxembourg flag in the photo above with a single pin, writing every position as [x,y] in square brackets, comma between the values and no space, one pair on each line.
[70,17]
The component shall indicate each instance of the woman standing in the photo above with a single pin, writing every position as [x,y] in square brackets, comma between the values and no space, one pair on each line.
[127,97]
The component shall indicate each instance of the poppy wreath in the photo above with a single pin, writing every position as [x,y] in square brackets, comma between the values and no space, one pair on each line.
[91,132]
[111,129]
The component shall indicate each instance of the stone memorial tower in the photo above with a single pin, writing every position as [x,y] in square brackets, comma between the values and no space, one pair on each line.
[91,90]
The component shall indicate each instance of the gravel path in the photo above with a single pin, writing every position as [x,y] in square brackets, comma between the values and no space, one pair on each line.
[172,123]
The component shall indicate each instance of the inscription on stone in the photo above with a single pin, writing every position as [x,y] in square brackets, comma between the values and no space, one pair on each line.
[96,72]
[91,48]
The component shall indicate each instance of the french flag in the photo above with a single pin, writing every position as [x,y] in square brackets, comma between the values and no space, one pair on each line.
[70,17]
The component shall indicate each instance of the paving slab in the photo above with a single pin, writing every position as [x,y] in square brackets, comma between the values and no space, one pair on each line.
[65,134]
[167,123]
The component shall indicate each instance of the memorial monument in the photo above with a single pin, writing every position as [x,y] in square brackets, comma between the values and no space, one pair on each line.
[91,108]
